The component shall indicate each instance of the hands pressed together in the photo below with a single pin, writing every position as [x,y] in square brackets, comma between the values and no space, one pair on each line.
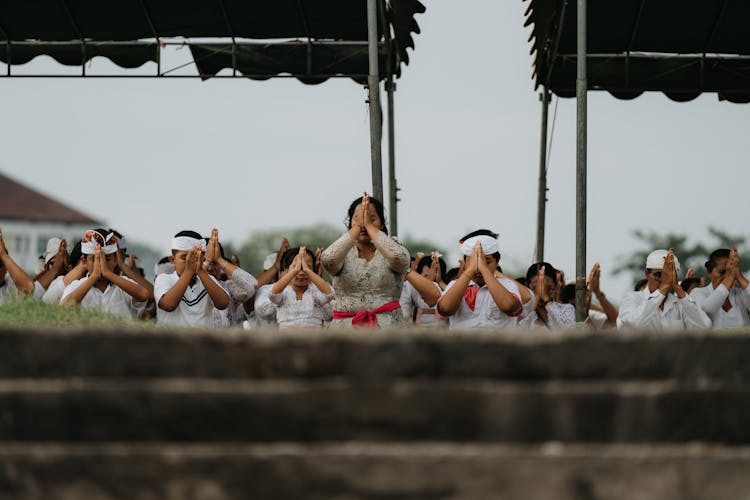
[476,265]
[669,280]
[363,220]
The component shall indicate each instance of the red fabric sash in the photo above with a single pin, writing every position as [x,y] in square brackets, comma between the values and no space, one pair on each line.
[367,318]
[470,296]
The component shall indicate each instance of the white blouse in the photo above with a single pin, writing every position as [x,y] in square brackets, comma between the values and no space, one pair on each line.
[307,311]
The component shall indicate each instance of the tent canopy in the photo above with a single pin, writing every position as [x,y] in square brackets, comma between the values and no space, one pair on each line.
[680,47]
[328,36]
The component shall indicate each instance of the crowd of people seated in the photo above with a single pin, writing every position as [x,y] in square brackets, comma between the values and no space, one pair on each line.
[374,282]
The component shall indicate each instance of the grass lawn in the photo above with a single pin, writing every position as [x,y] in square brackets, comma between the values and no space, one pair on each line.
[30,312]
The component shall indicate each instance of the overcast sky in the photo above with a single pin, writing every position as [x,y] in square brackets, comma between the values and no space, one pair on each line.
[151,157]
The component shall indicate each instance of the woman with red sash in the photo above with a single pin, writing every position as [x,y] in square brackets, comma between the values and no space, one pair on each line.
[368,269]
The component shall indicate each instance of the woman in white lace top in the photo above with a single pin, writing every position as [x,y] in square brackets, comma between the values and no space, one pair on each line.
[368,269]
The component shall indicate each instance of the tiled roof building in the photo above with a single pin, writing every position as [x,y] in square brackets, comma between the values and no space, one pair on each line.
[29,218]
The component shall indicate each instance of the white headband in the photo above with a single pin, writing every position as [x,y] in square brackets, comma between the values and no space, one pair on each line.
[89,247]
[186,243]
[489,245]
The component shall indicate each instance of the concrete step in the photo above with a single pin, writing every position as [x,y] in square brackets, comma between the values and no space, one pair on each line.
[81,410]
[372,471]
[523,355]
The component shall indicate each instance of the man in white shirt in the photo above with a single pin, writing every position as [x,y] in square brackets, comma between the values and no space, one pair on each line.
[726,300]
[662,304]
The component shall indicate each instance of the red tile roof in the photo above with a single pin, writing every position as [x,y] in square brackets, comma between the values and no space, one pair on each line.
[23,203]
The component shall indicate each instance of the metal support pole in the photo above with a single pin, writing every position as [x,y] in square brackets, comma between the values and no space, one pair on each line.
[373,88]
[541,209]
[392,184]
[581,136]
[390,88]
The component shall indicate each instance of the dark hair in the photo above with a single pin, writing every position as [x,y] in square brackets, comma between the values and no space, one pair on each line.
[721,253]
[189,234]
[75,254]
[522,280]
[163,260]
[689,282]
[479,232]
[450,275]
[482,232]
[548,271]
[118,235]
[377,205]
[640,284]
[288,256]
[427,261]
[568,293]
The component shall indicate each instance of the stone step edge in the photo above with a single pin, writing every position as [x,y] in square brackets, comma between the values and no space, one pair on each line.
[182,385]
[434,449]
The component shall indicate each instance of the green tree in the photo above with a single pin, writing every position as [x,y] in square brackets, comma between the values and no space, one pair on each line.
[690,254]
[253,251]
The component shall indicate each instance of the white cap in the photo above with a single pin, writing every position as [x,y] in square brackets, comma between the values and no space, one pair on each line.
[270,261]
[655,260]
[53,246]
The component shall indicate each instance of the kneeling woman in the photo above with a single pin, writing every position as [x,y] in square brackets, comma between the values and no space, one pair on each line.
[103,289]
[368,269]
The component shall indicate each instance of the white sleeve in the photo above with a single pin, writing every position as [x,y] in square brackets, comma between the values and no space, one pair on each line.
[394,253]
[277,298]
[334,256]
[405,300]
[241,286]
[528,308]
[710,302]
[694,316]
[70,288]
[745,298]
[635,315]
[561,315]
[264,308]
[54,292]
[162,284]
[39,290]
[320,298]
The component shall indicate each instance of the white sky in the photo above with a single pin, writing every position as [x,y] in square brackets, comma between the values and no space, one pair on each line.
[153,157]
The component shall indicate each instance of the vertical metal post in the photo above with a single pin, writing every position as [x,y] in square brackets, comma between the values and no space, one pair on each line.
[390,88]
[541,209]
[581,136]
[392,184]
[373,88]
